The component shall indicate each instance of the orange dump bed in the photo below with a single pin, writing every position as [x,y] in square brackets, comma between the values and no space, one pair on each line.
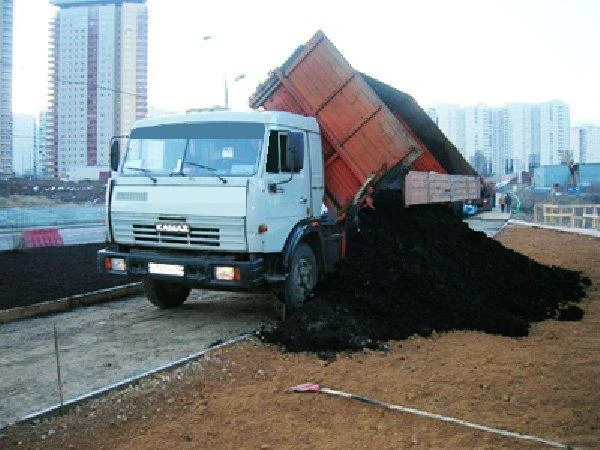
[367,127]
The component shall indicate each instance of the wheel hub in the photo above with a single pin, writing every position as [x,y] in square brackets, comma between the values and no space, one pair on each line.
[303,274]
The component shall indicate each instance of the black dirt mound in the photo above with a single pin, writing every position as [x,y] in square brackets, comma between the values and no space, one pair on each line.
[416,270]
[570,313]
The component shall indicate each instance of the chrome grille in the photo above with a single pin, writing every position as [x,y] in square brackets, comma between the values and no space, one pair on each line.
[210,233]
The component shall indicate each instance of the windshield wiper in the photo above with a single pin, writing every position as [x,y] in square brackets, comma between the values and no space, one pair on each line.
[211,169]
[140,169]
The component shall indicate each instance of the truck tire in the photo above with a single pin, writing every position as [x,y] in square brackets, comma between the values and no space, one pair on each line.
[165,295]
[302,278]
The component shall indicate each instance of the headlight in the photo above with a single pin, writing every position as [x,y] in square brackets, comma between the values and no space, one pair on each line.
[227,273]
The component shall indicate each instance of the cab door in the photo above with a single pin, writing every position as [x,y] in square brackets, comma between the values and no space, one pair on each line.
[287,177]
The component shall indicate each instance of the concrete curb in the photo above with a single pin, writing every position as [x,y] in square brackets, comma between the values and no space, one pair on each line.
[501,230]
[59,409]
[68,303]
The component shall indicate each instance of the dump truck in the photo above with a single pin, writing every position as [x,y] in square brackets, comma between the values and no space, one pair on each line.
[268,198]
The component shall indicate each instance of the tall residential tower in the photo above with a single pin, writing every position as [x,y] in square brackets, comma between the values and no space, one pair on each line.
[6,38]
[585,141]
[508,140]
[99,77]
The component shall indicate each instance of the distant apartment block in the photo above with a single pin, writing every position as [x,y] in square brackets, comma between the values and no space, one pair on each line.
[510,139]
[24,145]
[522,136]
[98,68]
[586,143]
[43,161]
[451,119]
[555,132]
[6,49]
[477,132]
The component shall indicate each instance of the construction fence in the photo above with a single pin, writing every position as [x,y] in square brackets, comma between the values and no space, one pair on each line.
[572,216]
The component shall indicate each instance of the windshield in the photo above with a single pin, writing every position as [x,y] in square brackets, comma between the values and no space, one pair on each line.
[217,148]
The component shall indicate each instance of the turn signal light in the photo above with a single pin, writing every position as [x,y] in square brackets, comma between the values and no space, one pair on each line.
[115,264]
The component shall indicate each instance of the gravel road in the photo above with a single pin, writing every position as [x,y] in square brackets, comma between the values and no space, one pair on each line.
[104,344]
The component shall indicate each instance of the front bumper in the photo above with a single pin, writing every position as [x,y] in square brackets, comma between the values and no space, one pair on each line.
[197,271]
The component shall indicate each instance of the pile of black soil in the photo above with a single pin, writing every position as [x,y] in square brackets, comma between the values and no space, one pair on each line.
[39,274]
[416,270]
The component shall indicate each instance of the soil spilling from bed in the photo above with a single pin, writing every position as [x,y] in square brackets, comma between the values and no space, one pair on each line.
[416,270]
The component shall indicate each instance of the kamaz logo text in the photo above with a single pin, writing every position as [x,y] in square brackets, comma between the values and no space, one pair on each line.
[182,228]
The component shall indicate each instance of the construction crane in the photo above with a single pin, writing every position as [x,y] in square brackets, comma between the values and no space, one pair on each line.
[567,158]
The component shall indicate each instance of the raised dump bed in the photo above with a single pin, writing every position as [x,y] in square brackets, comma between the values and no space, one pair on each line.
[367,127]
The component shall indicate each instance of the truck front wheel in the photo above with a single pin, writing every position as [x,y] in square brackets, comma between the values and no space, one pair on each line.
[302,277]
[165,295]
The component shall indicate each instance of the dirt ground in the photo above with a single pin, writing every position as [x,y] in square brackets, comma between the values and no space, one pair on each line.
[545,384]
[51,273]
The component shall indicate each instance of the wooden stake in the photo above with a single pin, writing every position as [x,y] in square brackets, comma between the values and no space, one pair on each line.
[60,391]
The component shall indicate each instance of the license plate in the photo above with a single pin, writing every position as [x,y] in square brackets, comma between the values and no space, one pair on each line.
[166,269]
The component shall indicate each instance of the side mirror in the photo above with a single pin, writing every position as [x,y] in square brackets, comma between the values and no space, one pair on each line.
[114,155]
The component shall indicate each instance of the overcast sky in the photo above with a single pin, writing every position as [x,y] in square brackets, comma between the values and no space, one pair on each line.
[438,51]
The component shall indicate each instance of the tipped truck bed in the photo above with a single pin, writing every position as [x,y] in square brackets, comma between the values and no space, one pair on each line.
[367,127]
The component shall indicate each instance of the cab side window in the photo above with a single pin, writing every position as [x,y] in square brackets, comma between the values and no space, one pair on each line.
[273,153]
[286,152]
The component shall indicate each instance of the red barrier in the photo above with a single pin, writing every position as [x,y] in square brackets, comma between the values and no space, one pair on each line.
[42,237]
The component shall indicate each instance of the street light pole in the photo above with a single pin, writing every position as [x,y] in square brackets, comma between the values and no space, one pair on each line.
[236,79]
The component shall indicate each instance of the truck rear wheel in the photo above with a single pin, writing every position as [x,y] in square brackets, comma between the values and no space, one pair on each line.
[165,295]
[302,278]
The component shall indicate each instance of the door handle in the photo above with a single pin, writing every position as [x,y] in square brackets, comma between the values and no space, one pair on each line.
[303,200]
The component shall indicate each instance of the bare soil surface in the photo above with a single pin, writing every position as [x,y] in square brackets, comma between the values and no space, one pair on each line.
[545,384]
[37,275]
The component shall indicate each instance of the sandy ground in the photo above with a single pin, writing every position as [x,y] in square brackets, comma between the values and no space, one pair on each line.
[545,384]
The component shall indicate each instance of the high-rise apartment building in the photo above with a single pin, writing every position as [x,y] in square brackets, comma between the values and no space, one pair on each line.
[451,120]
[99,78]
[42,160]
[24,145]
[585,141]
[502,162]
[555,131]
[507,140]
[522,127]
[6,38]
[475,132]
[480,135]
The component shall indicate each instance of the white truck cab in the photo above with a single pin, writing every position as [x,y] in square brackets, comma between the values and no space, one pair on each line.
[221,200]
